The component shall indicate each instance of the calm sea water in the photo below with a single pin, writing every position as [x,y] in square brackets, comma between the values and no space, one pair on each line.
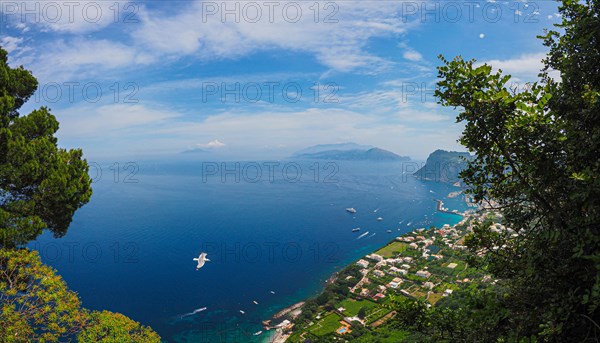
[266,229]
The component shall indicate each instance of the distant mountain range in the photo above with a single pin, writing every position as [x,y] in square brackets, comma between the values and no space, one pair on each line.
[348,152]
[444,166]
[194,151]
[329,147]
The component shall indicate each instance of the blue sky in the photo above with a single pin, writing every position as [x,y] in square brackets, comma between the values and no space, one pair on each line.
[259,80]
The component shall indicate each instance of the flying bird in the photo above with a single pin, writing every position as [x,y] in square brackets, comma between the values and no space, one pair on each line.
[201,260]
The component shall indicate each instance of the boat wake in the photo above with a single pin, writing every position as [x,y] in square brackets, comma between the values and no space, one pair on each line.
[198,310]
[361,236]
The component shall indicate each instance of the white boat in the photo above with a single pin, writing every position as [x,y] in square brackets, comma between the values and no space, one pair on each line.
[255,302]
[272,292]
[389,231]
[242,312]
[257,333]
[379,219]
[351,209]
[357,229]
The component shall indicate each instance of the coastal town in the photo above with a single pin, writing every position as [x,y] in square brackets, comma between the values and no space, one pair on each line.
[426,264]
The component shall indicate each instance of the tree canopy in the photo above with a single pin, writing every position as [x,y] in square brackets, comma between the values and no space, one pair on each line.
[109,327]
[538,160]
[41,185]
[37,306]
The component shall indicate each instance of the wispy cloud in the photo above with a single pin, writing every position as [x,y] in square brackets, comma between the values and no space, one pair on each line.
[72,17]
[523,68]
[79,58]
[11,44]
[412,55]
[338,45]
[93,121]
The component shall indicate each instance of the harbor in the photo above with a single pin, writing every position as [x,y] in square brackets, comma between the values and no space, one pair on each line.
[441,208]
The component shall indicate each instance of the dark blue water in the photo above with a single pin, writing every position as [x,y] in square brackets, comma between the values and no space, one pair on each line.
[130,249]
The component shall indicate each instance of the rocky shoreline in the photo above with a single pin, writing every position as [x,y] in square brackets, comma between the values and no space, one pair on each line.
[280,322]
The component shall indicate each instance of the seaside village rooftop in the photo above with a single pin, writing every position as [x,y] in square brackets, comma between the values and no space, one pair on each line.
[426,264]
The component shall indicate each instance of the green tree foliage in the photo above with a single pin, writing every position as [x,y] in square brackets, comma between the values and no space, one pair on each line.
[538,160]
[41,185]
[362,312]
[37,306]
[111,327]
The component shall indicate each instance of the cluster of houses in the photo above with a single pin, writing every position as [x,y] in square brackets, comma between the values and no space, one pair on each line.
[400,267]
[391,273]
[373,264]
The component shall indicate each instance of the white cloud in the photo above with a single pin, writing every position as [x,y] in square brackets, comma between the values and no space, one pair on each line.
[379,100]
[422,117]
[412,55]
[339,45]
[76,59]
[523,68]
[76,17]
[124,129]
[22,26]
[10,44]
[214,144]
[188,31]
[89,120]
[247,135]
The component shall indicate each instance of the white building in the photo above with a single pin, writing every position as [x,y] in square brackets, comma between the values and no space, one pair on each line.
[394,285]
[375,257]
[364,264]
[423,273]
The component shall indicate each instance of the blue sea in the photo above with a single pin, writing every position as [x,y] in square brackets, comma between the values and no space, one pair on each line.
[274,232]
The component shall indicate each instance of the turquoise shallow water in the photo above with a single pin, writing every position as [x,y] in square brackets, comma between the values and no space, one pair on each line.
[130,249]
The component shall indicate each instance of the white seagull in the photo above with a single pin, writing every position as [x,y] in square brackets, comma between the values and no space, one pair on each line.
[201,260]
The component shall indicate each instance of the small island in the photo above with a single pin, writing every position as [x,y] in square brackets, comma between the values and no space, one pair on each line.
[444,166]
[348,152]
